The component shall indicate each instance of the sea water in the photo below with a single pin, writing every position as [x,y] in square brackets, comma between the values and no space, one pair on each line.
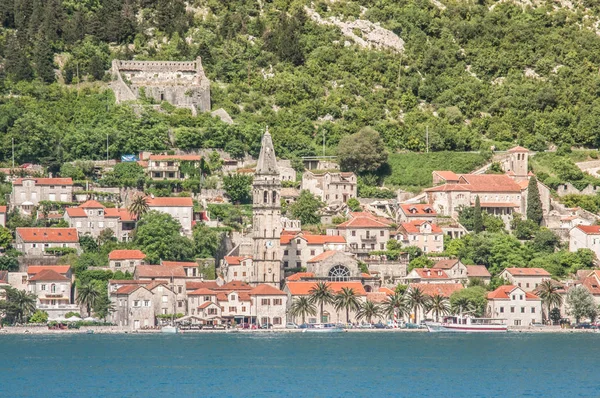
[300,365]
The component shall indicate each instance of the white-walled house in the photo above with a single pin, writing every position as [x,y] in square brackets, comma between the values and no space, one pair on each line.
[28,192]
[180,208]
[518,307]
[125,260]
[585,237]
[35,241]
[53,291]
[526,278]
[423,234]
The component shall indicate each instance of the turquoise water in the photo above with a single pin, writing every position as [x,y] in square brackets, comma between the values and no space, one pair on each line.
[300,365]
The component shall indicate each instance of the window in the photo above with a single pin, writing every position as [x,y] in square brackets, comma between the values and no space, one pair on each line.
[285,252]
[519,286]
[277,301]
[243,274]
[43,287]
[180,304]
[232,297]
[277,321]
[353,233]
[235,274]
[264,320]
[243,309]
[522,310]
[520,297]
[298,252]
[265,301]
[146,303]
[512,309]
[33,245]
[514,297]
[136,303]
[527,284]
[501,310]
[517,322]
[339,273]
[381,246]
[312,252]
[298,264]
[381,233]
[533,310]
[212,311]
[285,264]
[117,265]
[231,309]
[165,299]
[206,298]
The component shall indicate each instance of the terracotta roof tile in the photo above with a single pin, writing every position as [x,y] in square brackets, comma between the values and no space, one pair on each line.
[365,220]
[518,149]
[126,255]
[442,289]
[503,293]
[589,229]
[61,269]
[477,271]
[235,285]
[170,202]
[120,213]
[428,273]
[128,289]
[377,297]
[445,264]
[75,212]
[528,272]
[323,256]
[46,181]
[91,204]
[413,227]
[158,271]
[304,288]
[203,291]
[312,239]
[186,264]
[206,304]
[61,235]
[266,290]
[235,260]
[191,285]
[2,209]
[299,275]
[447,175]
[48,275]
[418,210]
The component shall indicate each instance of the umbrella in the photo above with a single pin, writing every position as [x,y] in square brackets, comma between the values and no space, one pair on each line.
[59,319]
[73,319]
[91,319]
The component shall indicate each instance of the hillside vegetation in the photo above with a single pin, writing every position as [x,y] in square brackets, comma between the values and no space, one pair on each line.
[474,74]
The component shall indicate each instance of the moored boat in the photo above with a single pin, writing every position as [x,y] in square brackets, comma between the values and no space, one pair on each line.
[328,328]
[467,324]
[169,329]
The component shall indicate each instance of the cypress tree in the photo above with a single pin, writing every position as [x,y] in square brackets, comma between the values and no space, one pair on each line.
[535,212]
[43,58]
[17,64]
[477,216]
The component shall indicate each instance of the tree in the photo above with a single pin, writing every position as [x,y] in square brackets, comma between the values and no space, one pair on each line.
[125,174]
[103,307]
[158,235]
[9,263]
[367,311]
[535,211]
[548,291]
[321,294]
[439,305]
[5,238]
[346,299]
[139,206]
[580,303]
[473,299]
[18,305]
[354,204]
[555,315]
[306,208]
[39,317]
[96,67]
[238,187]
[477,216]
[419,262]
[88,243]
[363,152]
[87,295]
[395,305]
[206,241]
[17,65]
[43,59]
[105,236]
[416,300]
[303,306]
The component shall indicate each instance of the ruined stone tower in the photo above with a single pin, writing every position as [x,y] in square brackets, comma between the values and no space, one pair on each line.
[266,224]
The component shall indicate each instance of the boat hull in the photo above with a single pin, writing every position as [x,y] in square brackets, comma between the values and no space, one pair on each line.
[169,329]
[323,330]
[457,328]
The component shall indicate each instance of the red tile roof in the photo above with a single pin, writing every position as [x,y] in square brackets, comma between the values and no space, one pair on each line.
[449,188]
[387,291]
[126,255]
[48,275]
[128,289]
[377,297]
[428,273]
[266,290]
[478,271]
[445,264]
[2,209]
[75,212]
[203,291]
[158,271]
[323,256]
[299,275]
[91,204]
[418,210]
[503,293]
[176,157]
[589,229]
[592,285]
[527,272]
[45,181]
[518,149]
[206,304]
[235,260]
[413,227]
[170,202]
[304,288]
[155,284]
[364,219]
[235,285]
[179,264]
[443,289]
[312,239]
[120,213]
[447,175]
[489,183]
[199,285]
[60,235]
[61,269]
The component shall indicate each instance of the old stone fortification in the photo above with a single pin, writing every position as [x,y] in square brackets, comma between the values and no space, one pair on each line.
[183,84]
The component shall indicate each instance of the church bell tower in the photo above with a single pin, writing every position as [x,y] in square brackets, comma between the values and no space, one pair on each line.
[266,222]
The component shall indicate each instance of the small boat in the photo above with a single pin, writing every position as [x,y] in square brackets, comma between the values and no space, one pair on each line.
[467,324]
[169,329]
[89,331]
[324,329]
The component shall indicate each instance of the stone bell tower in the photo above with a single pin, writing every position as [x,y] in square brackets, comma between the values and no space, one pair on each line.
[266,221]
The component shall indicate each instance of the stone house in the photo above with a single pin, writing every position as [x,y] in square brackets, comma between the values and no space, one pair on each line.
[364,232]
[210,313]
[53,291]
[334,265]
[431,289]
[298,289]
[417,212]
[175,278]
[190,268]
[125,260]
[91,218]
[517,306]
[3,216]
[270,305]
[527,279]
[134,307]
[180,208]
[164,299]
[35,241]
[585,237]
[331,188]
[460,272]
[168,167]
[428,275]
[299,248]
[423,234]
[237,268]
[28,192]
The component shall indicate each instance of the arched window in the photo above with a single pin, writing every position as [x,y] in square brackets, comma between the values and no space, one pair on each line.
[53,288]
[339,273]
[368,288]
[265,196]
[274,197]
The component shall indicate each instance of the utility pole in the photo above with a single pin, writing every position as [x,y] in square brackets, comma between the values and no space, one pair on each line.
[107,148]
[427,139]
[323,142]
[13,152]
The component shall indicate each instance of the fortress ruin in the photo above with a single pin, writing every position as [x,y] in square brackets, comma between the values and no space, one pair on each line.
[183,84]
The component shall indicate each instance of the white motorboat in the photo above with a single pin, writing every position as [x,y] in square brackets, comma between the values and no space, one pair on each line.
[328,328]
[169,329]
[467,324]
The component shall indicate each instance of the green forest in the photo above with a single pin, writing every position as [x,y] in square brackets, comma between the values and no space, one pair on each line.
[462,76]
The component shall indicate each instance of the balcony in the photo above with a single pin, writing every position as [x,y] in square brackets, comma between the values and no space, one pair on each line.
[370,238]
[70,307]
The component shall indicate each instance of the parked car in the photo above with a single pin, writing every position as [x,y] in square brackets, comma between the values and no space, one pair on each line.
[306,326]
[365,326]
[220,327]
[380,325]
[266,326]
[291,325]
[584,325]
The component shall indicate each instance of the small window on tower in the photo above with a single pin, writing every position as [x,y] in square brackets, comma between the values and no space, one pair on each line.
[274,197]
[265,197]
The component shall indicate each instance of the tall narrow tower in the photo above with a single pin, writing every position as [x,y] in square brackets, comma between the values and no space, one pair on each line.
[266,224]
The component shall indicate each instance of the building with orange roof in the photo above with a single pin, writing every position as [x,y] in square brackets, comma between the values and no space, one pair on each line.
[92,217]
[517,306]
[125,260]
[52,287]
[428,275]
[35,241]
[364,232]
[3,216]
[299,248]
[425,235]
[28,192]
[191,268]
[418,212]
[460,272]
[174,276]
[180,208]
[585,237]
[334,265]
[526,278]
[237,268]
[333,188]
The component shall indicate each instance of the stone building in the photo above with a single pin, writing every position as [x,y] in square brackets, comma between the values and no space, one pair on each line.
[3,216]
[331,188]
[133,307]
[423,234]
[125,260]
[180,208]
[585,237]
[35,241]
[266,223]
[527,279]
[29,192]
[91,218]
[364,232]
[301,247]
[335,265]
[168,167]
[174,277]
[183,84]
[518,307]
[52,287]
[416,212]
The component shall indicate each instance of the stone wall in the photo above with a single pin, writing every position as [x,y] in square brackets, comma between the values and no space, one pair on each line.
[568,188]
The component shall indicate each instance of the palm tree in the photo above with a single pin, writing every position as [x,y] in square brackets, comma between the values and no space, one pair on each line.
[395,305]
[303,306]
[321,294]
[416,300]
[88,294]
[439,305]
[462,304]
[21,303]
[368,310]
[548,292]
[346,299]
[139,206]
